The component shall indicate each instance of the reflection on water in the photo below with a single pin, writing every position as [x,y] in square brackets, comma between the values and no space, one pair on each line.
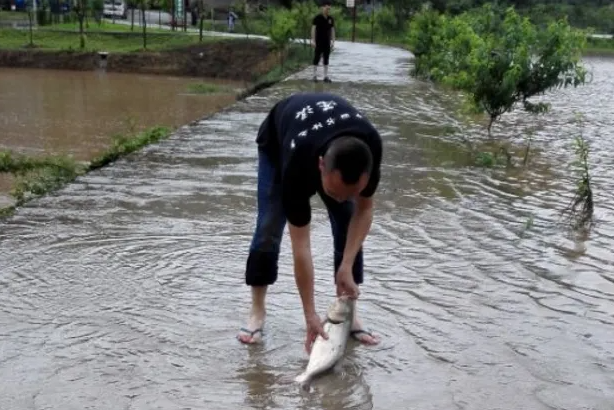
[77,112]
[126,288]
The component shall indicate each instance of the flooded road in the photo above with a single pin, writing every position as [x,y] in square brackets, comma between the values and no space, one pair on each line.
[125,289]
[74,112]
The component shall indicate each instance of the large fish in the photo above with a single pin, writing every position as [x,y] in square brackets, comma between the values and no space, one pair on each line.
[326,354]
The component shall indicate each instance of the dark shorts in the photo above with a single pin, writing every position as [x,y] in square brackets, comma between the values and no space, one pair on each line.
[261,269]
[321,52]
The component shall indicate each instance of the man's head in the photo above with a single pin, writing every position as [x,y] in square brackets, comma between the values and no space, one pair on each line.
[325,7]
[345,168]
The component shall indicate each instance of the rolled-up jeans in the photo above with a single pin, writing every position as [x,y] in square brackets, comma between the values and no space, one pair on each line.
[262,269]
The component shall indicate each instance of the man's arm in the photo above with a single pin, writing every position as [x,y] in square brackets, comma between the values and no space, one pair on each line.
[303,266]
[360,222]
[332,32]
[359,227]
[295,199]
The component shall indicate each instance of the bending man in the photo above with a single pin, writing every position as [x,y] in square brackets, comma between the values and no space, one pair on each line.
[308,143]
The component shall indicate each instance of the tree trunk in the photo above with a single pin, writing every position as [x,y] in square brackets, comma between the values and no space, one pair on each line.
[200,29]
[144,23]
[81,31]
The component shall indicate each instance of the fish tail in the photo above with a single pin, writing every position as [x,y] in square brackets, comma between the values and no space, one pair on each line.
[302,378]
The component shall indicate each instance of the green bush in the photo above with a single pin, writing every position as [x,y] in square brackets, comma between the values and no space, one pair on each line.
[303,13]
[282,30]
[497,59]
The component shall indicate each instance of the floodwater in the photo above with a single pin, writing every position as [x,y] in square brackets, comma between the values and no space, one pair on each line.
[125,289]
[78,112]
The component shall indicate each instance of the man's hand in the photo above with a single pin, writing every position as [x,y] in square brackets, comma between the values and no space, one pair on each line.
[313,44]
[332,45]
[345,282]
[303,275]
[314,329]
[360,223]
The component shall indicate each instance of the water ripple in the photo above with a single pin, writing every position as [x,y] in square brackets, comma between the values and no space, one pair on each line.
[125,289]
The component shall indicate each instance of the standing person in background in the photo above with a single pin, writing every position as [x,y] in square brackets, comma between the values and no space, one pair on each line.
[232,16]
[322,39]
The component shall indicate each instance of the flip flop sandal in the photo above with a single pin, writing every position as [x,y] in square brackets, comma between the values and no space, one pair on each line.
[251,333]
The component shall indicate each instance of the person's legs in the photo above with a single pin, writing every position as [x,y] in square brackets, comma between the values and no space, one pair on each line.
[317,54]
[261,267]
[325,57]
[340,215]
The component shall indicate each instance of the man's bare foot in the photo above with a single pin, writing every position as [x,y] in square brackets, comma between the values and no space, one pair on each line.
[252,333]
[363,336]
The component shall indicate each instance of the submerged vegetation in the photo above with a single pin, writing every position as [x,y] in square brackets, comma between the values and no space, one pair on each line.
[37,176]
[294,59]
[581,208]
[127,144]
[209,88]
[500,58]
[499,61]
[34,177]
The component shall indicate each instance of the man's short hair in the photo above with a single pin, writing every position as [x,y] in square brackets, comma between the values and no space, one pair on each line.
[325,3]
[350,156]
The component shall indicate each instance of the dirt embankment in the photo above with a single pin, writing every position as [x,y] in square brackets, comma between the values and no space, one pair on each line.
[241,60]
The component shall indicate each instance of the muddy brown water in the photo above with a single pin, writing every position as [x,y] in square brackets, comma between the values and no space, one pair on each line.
[78,112]
[125,289]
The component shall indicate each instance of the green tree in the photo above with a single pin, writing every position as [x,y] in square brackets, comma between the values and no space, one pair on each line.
[387,21]
[201,8]
[281,31]
[498,61]
[304,12]
[424,40]
[98,8]
[143,4]
[131,4]
[245,17]
[29,9]
[81,12]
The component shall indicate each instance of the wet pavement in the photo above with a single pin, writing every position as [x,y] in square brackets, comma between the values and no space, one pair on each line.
[125,289]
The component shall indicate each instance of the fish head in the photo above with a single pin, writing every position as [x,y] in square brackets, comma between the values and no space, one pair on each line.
[341,310]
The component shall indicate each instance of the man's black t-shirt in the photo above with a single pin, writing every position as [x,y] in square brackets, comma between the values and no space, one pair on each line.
[324,25]
[298,131]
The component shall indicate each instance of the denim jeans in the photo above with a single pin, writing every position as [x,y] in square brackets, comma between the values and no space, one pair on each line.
[261,269]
